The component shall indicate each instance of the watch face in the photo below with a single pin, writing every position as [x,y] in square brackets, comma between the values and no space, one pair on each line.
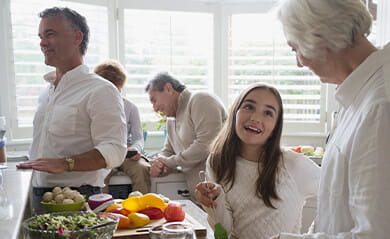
[70,162]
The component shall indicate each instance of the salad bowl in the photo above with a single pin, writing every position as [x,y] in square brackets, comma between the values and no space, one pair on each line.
[70,225]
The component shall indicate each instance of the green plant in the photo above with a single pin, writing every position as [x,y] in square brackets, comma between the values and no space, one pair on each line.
[144,126]
[161,122]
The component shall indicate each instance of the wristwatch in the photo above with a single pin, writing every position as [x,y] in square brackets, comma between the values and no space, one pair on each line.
[70,162]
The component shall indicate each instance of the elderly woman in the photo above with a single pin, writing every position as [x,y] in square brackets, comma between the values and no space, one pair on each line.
[330,38]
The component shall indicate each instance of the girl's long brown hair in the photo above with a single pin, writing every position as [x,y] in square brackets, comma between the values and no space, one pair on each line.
[226,147]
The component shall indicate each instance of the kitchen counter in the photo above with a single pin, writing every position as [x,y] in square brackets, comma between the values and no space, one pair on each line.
[15,187]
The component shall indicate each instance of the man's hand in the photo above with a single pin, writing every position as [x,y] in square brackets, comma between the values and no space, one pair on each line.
[45,165]
[275,237]
[157,167]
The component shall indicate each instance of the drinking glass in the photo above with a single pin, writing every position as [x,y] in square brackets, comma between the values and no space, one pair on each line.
[177,230]
[155,232]
[3,156]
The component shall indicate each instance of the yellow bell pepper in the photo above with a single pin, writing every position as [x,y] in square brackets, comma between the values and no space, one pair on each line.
[153,200]
[138,219]
[135,204]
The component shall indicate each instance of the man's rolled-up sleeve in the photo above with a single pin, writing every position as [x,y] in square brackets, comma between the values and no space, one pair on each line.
[108,125]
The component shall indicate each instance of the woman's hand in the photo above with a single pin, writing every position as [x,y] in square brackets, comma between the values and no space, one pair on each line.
[206,193]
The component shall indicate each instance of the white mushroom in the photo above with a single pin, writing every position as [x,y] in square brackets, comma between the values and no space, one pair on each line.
[135,194]
[47,196]
[67,201]
[57,190]
[78,198]
[59,198]
[70,194]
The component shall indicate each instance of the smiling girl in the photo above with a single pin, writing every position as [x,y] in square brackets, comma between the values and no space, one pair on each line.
[256,188]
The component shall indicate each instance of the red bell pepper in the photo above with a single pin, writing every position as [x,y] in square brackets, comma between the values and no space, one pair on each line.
[153,212]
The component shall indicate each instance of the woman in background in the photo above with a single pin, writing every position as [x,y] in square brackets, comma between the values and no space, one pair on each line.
[256,187]
[135,167]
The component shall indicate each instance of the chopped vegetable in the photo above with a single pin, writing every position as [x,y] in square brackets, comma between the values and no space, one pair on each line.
[309,151]
[66,223]
[97,199]
[138,219]
[153,212]
[136,203]
[124,221]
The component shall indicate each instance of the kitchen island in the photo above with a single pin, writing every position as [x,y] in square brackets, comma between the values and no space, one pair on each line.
[14,196]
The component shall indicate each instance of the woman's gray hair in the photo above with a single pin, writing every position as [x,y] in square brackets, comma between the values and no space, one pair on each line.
[318,24]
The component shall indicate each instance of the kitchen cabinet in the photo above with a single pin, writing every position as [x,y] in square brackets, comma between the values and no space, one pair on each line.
[119,185]
[172,186]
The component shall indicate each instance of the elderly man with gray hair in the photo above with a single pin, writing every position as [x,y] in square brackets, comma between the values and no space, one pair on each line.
[79,129]
[194,119]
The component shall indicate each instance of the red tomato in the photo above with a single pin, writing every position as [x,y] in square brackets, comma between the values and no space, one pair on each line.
[153,212]
[174,212]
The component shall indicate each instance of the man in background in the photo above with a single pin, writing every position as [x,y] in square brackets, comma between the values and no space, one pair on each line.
[194,119]
[79,129]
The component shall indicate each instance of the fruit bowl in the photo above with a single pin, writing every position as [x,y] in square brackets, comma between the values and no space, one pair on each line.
[84,225]
[70,207]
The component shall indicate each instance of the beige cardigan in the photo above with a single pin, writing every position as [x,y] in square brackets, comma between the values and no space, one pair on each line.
[199,118]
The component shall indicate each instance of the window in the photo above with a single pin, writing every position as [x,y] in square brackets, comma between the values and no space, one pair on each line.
[218,46]
[372,6]
[262,55]
[29,64]
[175,42]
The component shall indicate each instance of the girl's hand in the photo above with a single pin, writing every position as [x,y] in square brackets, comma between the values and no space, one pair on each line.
[206,193]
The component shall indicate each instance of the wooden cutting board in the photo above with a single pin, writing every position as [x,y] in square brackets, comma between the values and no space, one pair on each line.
[143,232]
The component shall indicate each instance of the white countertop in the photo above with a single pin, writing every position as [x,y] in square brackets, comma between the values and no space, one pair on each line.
[16,184]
